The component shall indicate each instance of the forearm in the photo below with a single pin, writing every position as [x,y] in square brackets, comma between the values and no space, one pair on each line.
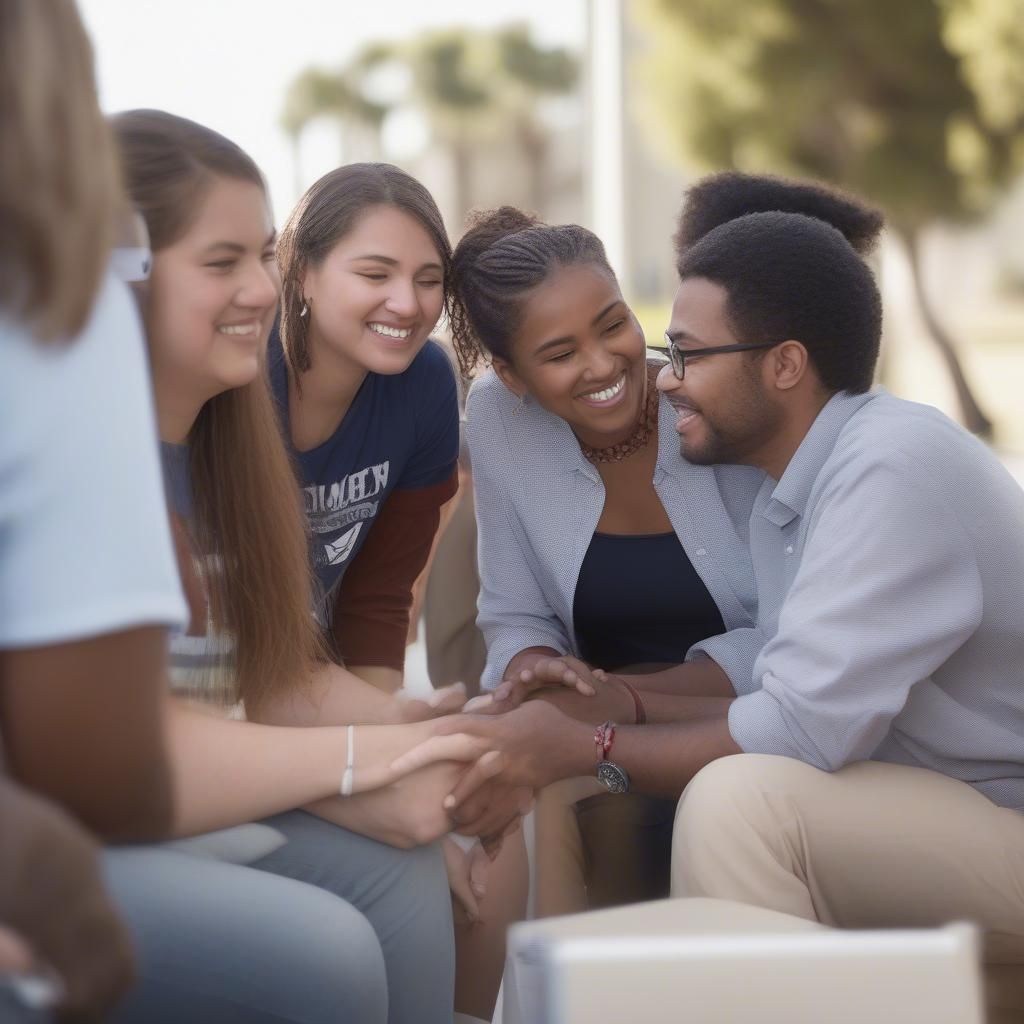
[406,814]
[658,707]
[335,696]
[700,678]
[382,678]
[660,759]
[227,773]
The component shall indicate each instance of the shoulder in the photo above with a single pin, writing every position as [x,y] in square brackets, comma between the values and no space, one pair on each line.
[431,365]
[488,395]
[908,441]
[81,376]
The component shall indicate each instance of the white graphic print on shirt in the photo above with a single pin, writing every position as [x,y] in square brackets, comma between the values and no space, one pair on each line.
[344,505]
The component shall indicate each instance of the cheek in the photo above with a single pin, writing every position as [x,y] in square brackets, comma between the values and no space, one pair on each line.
[182,322]
[432,302]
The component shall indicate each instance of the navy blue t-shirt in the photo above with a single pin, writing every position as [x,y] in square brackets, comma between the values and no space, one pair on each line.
[401,432]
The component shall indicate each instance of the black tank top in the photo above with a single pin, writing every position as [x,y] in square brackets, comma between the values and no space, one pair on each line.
[639,600]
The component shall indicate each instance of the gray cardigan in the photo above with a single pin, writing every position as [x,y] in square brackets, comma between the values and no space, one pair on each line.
[538,502]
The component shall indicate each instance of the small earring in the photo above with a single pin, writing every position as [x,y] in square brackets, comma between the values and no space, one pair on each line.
[520,405]
[304,312]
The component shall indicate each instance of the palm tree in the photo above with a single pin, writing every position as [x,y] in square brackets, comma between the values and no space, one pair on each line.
[453,85]
[340,96]
[532,73]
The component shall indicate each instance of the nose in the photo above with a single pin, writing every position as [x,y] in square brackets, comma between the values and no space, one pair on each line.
[666,381]
[261,286]
[600,363]
[402,299]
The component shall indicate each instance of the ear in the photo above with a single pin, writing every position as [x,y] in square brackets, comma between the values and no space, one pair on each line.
[787,365]
[508,376]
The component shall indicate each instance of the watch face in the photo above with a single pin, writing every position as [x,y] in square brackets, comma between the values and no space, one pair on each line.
[613,777]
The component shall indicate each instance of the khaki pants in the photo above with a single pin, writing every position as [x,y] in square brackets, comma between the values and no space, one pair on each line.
[871,846]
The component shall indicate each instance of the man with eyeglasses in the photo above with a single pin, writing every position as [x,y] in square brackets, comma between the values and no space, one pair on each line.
[878,704]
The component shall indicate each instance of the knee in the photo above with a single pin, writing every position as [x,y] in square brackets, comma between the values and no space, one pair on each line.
[338,963]
[725,803]
[416,900]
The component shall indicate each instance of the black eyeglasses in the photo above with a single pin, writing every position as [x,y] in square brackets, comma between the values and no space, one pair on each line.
[677,356]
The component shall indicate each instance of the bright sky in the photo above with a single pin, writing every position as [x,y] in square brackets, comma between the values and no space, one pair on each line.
[227,63]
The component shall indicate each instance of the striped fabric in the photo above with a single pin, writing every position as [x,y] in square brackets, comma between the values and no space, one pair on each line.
[538,502]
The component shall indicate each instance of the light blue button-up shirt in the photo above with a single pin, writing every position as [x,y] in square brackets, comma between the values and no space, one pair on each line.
[890,578]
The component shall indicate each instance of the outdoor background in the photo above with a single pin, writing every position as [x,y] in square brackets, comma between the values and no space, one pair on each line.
[601,112]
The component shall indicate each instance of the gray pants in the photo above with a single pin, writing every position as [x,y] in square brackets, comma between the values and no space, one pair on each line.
[330,927]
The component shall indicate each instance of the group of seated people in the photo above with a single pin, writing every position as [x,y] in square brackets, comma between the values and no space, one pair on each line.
[753,626]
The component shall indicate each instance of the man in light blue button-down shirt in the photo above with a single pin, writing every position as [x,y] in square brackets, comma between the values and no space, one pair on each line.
[878,702]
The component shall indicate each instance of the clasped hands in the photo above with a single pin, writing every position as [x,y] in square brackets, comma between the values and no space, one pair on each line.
[520,740]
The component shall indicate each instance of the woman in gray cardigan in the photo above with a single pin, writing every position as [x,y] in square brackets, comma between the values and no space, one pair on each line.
[597,540]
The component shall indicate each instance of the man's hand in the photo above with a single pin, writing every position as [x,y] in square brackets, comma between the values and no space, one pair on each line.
[563,674]
[586,694]
[493,811]
[52,896]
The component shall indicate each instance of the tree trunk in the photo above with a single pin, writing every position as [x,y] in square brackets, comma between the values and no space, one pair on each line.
[971,413]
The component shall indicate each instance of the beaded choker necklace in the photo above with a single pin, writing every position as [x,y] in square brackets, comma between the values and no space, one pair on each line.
[646,425]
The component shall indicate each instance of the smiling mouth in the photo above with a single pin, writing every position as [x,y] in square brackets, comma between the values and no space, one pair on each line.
[606,395]
[249,330]
[397,333]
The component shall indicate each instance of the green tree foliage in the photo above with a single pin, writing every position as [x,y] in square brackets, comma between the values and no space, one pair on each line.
[469,85]
[917,104]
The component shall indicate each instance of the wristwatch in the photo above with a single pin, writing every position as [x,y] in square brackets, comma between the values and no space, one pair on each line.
[613,777]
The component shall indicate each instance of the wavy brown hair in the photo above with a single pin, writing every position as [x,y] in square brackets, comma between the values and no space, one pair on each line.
[60,193]
[329,210]
[248,516]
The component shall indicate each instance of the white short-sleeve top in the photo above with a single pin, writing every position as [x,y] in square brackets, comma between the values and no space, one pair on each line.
[85,546]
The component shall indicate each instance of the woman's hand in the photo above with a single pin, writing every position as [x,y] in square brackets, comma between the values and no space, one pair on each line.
[531,747]
[467,877]
[378,750]
[445,701]
[565,672]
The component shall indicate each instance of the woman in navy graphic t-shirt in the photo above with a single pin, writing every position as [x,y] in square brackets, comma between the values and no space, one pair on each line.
[368,402]
[369,406]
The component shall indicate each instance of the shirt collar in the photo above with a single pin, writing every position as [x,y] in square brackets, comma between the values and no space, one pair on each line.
[789,498]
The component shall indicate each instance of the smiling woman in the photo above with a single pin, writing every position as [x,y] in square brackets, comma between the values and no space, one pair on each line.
[596,539]
[367,400]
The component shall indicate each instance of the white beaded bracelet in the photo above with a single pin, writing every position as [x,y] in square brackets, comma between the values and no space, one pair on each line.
[346,779]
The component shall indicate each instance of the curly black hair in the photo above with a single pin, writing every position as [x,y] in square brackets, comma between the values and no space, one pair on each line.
[789,256]
[504,254]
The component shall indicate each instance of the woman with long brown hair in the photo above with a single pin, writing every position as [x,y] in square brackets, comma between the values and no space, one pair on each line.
[254,648]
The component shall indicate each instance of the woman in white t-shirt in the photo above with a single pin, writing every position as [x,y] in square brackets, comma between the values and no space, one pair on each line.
[88,584]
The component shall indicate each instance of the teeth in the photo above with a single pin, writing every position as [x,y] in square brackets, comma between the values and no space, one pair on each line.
[604,396]
[240,329]
[389,332]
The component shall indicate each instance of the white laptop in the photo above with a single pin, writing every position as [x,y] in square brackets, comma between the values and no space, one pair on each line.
[806,977]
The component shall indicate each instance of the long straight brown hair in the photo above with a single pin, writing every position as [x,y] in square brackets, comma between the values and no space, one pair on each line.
[248,516]
[60,191]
